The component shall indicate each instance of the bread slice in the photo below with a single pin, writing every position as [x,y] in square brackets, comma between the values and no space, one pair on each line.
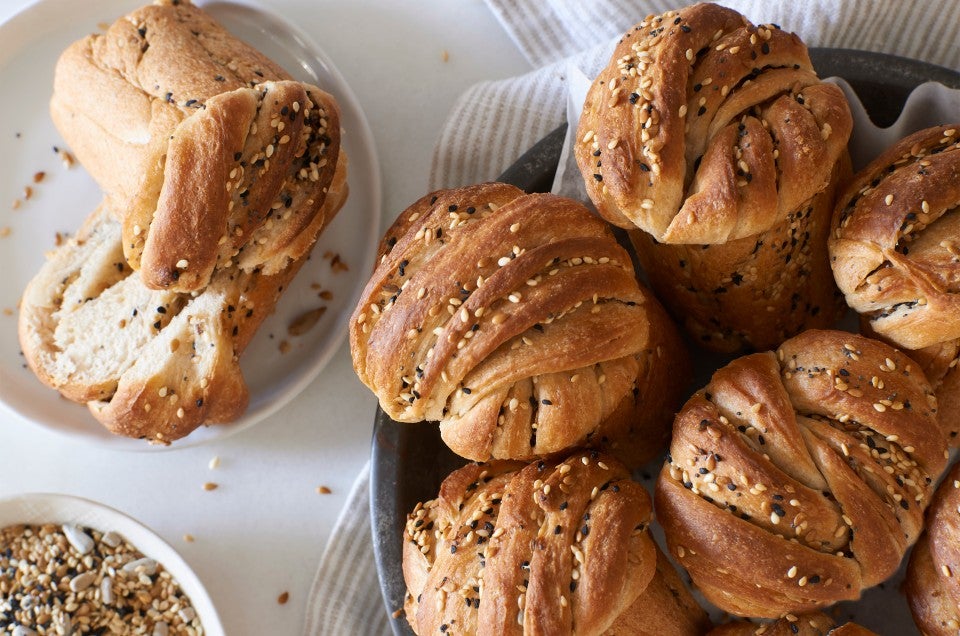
[150,364]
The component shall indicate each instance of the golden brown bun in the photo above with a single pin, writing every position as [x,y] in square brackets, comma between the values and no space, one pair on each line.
[931,585]
[517,322]
[554,547]
[811,624]
[798,478]
[895,244]
[751,293]
[208,153]
[705,128]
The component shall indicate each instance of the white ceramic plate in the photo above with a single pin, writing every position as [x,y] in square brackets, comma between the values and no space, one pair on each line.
[30,43]
[37,509]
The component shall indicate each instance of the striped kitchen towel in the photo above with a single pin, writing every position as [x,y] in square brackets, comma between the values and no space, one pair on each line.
[495,122]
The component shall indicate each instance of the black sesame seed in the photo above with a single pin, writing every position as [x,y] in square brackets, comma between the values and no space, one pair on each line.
[765,48]
[685,28]
[598,177]
[556,530]
[467,390]
[546,402]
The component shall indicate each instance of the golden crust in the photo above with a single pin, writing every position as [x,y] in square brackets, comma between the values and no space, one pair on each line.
[561,547]
[894,245]
[207,151]
[797,479]
[517,322]
[931,585]
[705,128]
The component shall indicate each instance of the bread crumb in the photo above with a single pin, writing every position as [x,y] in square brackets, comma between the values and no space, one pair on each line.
[336,263]
[5,231]
[215,462]
[38,176]
[397,613]
[7,311]
[326,294]
[188,538]
[284,346]
[60,238]
[210,486]
[283,598]
[445,55]
[306,321]
[323,490]
[27,193]
[16,204]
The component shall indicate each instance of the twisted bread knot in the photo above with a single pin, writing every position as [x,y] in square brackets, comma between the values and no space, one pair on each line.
[799,478]
[894,245]
[517,322]
[550,548]
[931,584]
[705,128]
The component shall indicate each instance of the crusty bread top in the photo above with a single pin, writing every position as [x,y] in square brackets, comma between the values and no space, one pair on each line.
[131,85]
[705,128]
[562,547]
[243,178]
[895,240]
[202,144]
[797,479]
[515,320]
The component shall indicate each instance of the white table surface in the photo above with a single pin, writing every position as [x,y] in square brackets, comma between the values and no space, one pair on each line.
[262,531]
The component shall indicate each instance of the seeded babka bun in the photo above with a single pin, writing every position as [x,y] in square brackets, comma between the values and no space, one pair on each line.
[553,547]
[796,479]
[812,624]
[516,321]
[716,137]
[209,153]
[931,585]
[895,253]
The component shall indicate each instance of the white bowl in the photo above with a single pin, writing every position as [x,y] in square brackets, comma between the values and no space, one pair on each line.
[40,508]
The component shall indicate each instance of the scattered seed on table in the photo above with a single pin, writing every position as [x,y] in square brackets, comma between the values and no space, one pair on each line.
[210,486]
[283,598]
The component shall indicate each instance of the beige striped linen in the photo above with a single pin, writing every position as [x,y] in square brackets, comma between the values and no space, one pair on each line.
[493,123]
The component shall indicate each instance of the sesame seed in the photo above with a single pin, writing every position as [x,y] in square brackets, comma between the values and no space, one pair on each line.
[888,199]
[210,486]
